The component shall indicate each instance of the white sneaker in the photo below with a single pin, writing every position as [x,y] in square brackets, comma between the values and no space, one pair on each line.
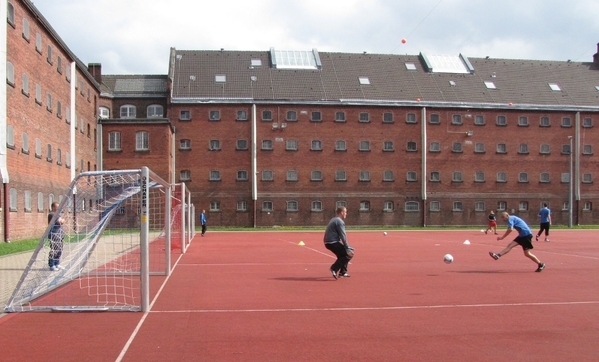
[53,268]
[59,267]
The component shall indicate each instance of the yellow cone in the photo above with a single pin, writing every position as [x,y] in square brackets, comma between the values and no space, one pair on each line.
[301,243]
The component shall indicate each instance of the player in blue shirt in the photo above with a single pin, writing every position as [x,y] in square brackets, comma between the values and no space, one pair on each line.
[524,239]
[545,215]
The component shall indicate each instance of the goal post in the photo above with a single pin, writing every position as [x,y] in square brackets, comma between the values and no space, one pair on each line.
[115,234]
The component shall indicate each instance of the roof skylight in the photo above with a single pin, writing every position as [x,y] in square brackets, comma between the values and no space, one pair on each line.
[410,66]
[554,87]
[295,59]
[490,85]
[364,80]
[447,64]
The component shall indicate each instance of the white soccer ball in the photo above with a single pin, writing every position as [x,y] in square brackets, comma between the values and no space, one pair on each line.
[448,258]
[385,233]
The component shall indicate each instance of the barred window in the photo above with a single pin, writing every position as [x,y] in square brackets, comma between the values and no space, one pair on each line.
[364,176]
[456,119]
[523,148]
[545,149]
[501,148]
[242,115]
[411,118]
[291,175]
[412,206]
[316,206]
[479,206]
[242,206]
[479,147]
[544,122]
[457,176]
[291,116]
[501,121]
[434,119]
[267,206]
[411,147]
[479,176]
[214,175]
[267,175]
[501,177]
[316,175]
[364,146]
[267,115]
[435,176]
[388,206]
[411,176]
[291,145]
[364,205]
[242,144]
[388,176]
[501,205]
[340,175]
[523,121]
[435,147]
[242,175]
[339,116]
[544,177]
[387,117]
[587,178]
[434,206]
[340,145]
[267,145]
[522,177]
[523,206]
[457,206]
[316,116]
[316,145]
[292,206]
[364,117]
[479,120]
[388,146]
[456,147]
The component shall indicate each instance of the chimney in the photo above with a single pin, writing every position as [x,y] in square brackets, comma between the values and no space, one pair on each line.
[95,69]
[596,56]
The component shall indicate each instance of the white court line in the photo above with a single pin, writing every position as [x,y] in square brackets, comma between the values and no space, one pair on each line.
[143,318]
[407,307]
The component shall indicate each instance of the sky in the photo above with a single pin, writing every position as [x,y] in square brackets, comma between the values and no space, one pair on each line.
[135,36]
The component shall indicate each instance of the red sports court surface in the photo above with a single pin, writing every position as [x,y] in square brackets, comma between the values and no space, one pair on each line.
[260,296]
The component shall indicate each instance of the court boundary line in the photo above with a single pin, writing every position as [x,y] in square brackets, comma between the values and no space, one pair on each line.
[407,307]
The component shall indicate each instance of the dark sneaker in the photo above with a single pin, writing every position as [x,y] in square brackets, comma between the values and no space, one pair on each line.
[493,255]
[333,273]
[540,268]
[344,275]
[537,238]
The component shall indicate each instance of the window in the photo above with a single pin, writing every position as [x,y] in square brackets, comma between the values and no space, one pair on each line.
[411,147]
[10,73]
[316,206]
[185,175]
[214,115]
[291,145]
[435,147]
[25,147]
[292,206]
[155,111]
[435,176]
[49,153]
[242,206]
[316,145]
[412,206]
[545,149]
[364,146]
[501,206]
[364,176]
[522,177]
[67,160]
[214,206]
[242,175]
[10,16]
[544,122]
[340,175]
[544,177]
[25,86]
[565,177]
[479,147]
[523,121]
[565,206]
[434,119]
[267,145]
[339,116]
[128,111]
[185,144]
[501,148]
[13,199]
[587,149]
[456,147]
[241,145]
[479,206]
[291,116]
[214,175]
[267,115]
[316,116]
[588,206]
[40,202]
[456,119]
[457,206]
[411,118]
[479,176]
[566,149]
[388,176]
[292,175]
[38,148]
[267,206]
[587,122]
[456,176]
[59,65]
[566,122]
[501,121]
[27,200]
[267,175]
[364,80]
[185,115]
[554,87]
[388,206]
[387,117]
[364,117]
[411,176]
[38,42]
[316,175]
[523,148]
[142,141]
[479,120]
[340,204]
[523,206]
[434,206]
[587,178]
[214,145]
[340,145]
[364,205]
[38,94]
[388,146]
[104,112]
[114,141]
[242,115]
[10,136]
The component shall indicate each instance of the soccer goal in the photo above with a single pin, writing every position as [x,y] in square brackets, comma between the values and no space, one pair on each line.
[111,232]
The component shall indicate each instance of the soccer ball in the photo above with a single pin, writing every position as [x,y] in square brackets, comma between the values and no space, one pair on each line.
[385,233]
[448,258]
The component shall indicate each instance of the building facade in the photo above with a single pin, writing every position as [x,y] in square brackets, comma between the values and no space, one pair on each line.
[50,105]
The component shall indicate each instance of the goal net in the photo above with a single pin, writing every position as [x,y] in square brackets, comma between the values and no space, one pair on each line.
[111,232]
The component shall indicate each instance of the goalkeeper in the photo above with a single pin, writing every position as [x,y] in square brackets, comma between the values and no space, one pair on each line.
[335,240]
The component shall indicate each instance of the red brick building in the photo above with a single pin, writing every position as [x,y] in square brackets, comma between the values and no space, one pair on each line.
[49,128]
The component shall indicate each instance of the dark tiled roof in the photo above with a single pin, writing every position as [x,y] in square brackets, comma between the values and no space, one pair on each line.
[521,82]
[135,85]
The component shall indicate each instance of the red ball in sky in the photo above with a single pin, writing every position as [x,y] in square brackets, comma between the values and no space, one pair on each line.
[403,40]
